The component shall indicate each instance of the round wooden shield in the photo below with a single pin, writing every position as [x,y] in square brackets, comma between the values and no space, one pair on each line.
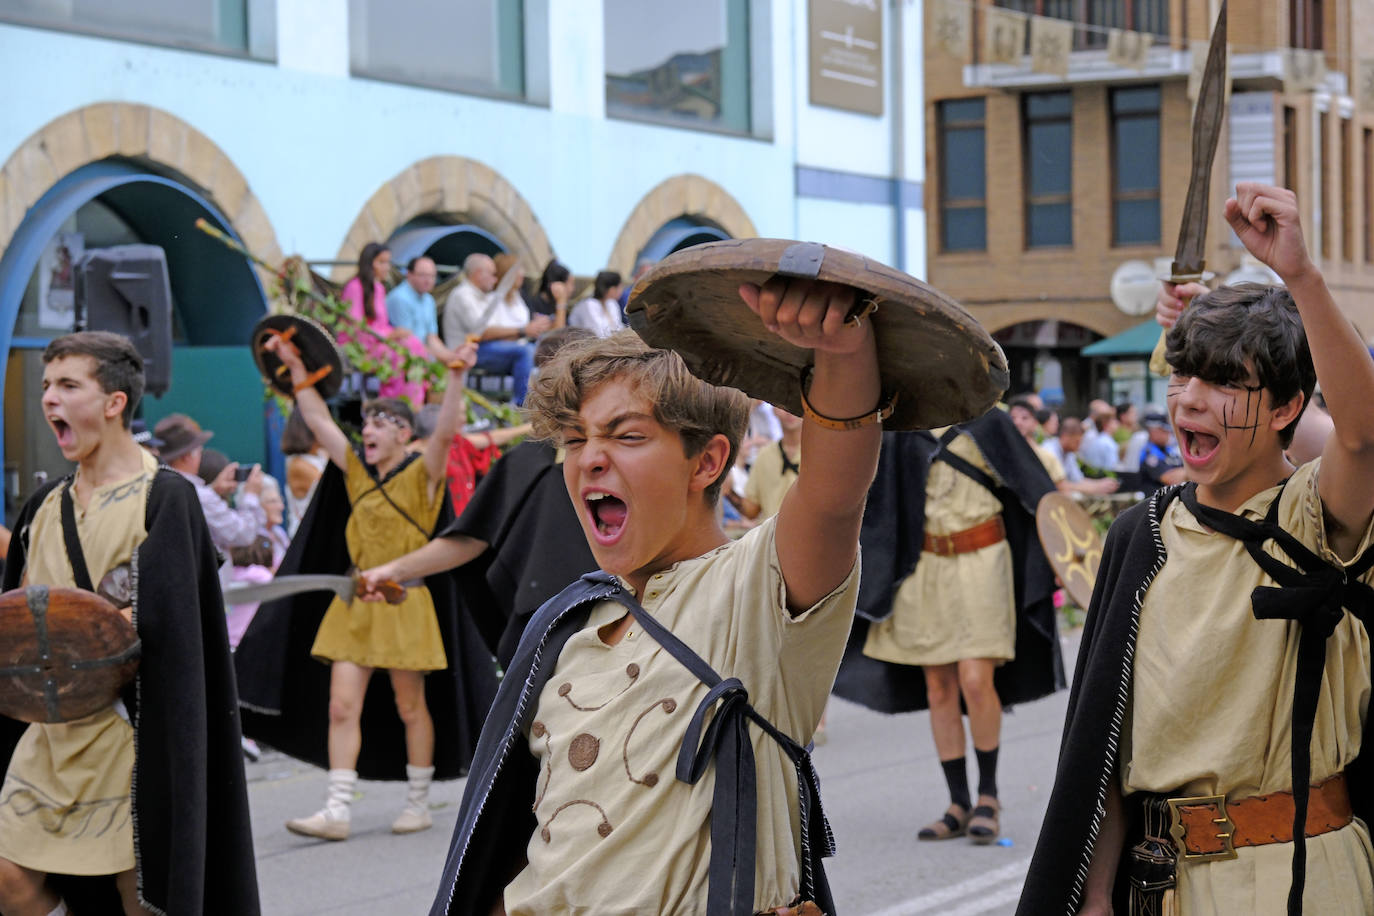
[1072,544]
[315,344]
[941,363]
[64,653]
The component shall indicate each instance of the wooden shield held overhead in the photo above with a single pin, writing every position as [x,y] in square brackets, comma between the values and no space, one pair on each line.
[64,653]
[317,348]
[942,365]
[1071,542]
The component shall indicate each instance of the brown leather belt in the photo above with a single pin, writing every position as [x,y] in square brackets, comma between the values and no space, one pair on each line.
[979,536]
[1207,827]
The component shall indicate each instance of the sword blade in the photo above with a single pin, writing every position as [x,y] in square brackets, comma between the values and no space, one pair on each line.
[1189,255]
[285,586]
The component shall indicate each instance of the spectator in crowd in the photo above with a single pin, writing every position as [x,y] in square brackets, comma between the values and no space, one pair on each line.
[1022,410]
[1065,447]
[183,442]
[505,330]
[212,464]
[305,462]
[411,306]
[1134,442]
[1048,419]
[257,563]
[366,299]
[144,436]
[600,312]
[1100,451]
[553,294]
[763,428]
[1160,460]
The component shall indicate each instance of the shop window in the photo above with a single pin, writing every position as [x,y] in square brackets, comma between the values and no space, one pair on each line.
[963,175]
[1305,24]
[1368,208]
[1048,146]
[1150,16]
[1135,165]
[215,25]
[476,47]
[1347,192]
[679,63]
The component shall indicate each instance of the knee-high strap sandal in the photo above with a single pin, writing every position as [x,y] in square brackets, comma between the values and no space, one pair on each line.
[985,825]
[951,824]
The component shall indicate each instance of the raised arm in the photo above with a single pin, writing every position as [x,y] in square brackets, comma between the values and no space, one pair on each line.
[450,415]
[1266,221]
[313,409]
[818,524]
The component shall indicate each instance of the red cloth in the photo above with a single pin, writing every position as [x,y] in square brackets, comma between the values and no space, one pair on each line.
[467,464]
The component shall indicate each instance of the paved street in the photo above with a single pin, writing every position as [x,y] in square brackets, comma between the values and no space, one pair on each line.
[880,779]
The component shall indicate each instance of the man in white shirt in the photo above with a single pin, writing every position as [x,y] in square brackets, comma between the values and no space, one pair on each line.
[504,328]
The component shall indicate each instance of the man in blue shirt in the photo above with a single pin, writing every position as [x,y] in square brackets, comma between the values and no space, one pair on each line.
[1160,462]
[411,306]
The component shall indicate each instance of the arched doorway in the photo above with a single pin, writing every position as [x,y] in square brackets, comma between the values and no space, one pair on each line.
[448,245]
[677,234]
[217,296]
[681,211]
[1043,357]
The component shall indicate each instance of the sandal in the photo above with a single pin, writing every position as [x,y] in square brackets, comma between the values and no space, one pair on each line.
[951,824]
[985,826]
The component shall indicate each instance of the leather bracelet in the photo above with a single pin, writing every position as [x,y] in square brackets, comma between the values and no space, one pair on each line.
[886,405]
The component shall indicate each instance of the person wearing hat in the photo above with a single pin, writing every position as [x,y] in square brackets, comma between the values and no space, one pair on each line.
[183,441]
[1160,462]
[144,436]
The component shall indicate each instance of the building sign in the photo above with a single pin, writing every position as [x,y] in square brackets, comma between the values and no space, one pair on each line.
[847,55]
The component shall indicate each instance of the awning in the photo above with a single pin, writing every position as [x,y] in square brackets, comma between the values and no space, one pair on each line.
[1137,341]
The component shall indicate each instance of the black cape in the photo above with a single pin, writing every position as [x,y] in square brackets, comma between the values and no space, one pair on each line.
[891,538]
[192,839]
[1133,555]
[522,510]
[284,691]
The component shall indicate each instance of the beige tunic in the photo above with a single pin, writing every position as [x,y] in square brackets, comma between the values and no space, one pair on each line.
[65,805]
[1212,701]
[953,608]
[618,833]
[769,480]
[403,636]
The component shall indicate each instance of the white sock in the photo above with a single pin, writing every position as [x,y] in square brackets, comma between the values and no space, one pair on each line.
[341,783]
[417,797]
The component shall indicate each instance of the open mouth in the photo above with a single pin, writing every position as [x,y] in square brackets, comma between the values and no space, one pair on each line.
[1198,446]
[63,430]
[608,514]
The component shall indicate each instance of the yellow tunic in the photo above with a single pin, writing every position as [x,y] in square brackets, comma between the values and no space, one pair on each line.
[402,636]
[64,806]
[618,833]
[769,480]
[1212,701]
[953,608]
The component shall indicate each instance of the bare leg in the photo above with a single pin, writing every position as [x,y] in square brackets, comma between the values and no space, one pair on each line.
[347,687]
[984,706]
[24,892]
[409,687]
[946,721]
[127,882]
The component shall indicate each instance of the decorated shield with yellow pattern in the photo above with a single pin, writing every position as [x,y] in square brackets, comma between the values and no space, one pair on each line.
[1071,542]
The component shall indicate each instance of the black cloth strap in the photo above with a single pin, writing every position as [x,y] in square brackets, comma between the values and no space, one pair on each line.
[379,484]
[787,463]
[979,476]
[1316,594]
[734,804]
[81,573]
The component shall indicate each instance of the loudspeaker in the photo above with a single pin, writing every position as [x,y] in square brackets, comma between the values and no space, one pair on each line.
[125,289]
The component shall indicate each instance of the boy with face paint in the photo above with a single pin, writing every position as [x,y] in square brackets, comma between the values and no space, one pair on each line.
[595,788]
[76,827]
[396,498]
[1221,702]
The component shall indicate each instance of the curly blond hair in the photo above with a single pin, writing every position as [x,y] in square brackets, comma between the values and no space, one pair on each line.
[683,403]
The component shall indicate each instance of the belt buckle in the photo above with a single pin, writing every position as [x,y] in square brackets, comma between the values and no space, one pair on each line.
[1226,828]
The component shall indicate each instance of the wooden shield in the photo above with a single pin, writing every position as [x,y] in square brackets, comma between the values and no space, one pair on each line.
[64,653]
[941,363]
[316,346]
[1072,544]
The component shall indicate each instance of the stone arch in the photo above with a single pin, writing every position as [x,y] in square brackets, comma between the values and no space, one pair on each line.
[1105,319]
[453,187]
[142,134]
[681,195]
